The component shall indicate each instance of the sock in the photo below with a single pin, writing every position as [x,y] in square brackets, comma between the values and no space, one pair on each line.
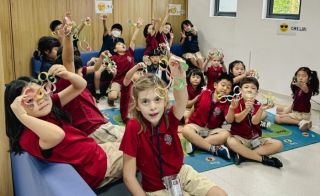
[212,148]
[98,91]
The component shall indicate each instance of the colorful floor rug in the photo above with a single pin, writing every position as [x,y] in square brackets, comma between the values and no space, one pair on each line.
[290,136]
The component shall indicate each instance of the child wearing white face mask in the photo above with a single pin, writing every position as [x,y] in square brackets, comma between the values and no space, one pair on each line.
[109,41]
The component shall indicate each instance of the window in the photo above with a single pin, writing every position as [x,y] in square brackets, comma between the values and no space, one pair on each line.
[285,9]
[225,8]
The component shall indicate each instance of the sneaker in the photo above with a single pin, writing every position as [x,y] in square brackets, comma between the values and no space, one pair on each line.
[238,159]
[97,97]
[305,125]
[222,151]
[265,124]
[111,102]
[190,148]
[271,161]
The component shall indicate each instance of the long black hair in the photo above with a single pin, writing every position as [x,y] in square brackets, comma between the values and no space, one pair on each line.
[231,66]
[199,73]
[14,127]
[313,82]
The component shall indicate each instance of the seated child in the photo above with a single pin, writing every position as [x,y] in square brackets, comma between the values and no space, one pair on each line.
[246,140]
[304,85]
[151,143]
[213,67]
[124,60]
[204,128]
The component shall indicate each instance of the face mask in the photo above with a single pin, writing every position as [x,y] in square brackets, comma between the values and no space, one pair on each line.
[116,33]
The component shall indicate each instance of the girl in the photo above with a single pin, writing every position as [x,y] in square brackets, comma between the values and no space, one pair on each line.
[167,32]
[304,85]
[196,82]
[213,67]
[152,145]
[47,52]
[36,124]
[237,70]
[190,45]
[153,38]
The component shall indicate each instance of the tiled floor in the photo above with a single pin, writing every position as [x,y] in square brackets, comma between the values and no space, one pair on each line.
[300,175]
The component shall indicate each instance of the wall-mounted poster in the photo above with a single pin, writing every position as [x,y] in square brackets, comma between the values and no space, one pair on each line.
[103,6]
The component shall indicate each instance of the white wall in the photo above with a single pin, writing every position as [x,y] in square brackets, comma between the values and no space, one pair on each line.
[276,57]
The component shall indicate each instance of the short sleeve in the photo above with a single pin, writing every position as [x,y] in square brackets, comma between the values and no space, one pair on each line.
[129,143]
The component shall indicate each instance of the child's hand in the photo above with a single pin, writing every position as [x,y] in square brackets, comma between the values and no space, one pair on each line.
[183,34]
[92,61]
[140,65]
[234,103]
[139,22]
[249,105]
[175,67]
[267,106]
[17,106]
[104,17]
[59,70]
[171,35]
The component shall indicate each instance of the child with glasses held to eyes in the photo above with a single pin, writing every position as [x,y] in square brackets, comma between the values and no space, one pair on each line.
[151,143]
[304,85]
[204,126]
[246,140]
[35,123]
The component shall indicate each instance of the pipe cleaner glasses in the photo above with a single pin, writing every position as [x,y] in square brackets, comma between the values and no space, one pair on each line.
[236,96]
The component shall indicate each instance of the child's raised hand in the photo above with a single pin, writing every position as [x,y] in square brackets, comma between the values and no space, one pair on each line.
[234,103]
[92,61]
[183,34]
[139,22]
[104,17]
[175,67]
[17,105]
[249,105]
[59,70]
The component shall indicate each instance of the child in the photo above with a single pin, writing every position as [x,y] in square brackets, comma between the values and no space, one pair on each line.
[155,67]
[124,60]
[151,143]
[110,39]
[109,42]
[237,70]
[132,75]
[56,27]
[153,38]
[47,52]
[190,45]
[36,124]
[304,85]
[213,67]
[196,82]
[167,32]
[204,128]
[87,117]
[246,140]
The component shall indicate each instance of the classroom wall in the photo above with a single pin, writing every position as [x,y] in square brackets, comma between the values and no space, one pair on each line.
[276,57]
[30,20]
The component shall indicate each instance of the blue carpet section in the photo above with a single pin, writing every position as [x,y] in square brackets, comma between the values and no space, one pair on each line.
[290,136]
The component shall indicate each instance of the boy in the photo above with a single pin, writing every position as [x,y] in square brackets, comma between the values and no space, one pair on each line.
[124,60]
[246,138]
[109,42]
[204,128]
[155,68]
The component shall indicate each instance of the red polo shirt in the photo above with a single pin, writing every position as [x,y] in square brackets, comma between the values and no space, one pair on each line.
[124,101]
[212,74]
[82,109]
[245,128]
[202,109]
[192,92]
[82,152]
[124,63]
[301,100]
[144,147]
[152,42]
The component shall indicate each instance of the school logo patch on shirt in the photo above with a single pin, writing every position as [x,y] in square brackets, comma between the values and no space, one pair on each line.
[217,111]
[168,139]
[129,58]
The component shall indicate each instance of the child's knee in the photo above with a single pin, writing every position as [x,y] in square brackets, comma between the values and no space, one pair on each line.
[231,141]
[113,95]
